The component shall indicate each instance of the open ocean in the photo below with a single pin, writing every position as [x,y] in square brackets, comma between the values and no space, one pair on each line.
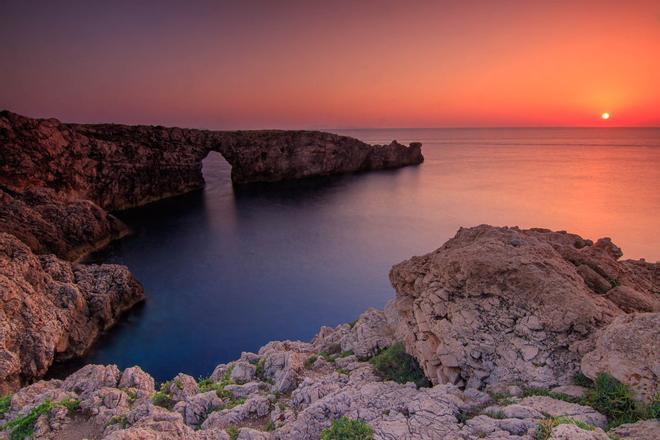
[228,270]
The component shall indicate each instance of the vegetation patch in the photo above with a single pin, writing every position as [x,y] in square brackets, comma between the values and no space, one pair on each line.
[347,429]
[544,392]
[233,432]
[614,399]
[545,426]
[5,404]
[582,380]
[343,371]
[119,420]
[270,426]
[497,415]
[261,372]
[393,363]
[163,398]
[309,362]
[22,427]
[502,398]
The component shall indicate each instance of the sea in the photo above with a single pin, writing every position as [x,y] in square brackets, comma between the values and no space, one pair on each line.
[227,269]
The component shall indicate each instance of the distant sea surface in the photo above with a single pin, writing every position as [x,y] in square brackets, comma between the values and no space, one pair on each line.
[228,270]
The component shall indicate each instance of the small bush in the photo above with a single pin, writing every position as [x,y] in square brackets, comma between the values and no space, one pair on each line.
[5,404]
[615,400]
[270,426]
[347,429]
[497,415]
[309,362]
[162,399]
[582,380]
[22,427]
[233,432]
[343,371]
[544,428]
[395,364]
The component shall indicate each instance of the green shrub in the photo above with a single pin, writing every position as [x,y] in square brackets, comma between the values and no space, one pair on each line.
[395,364]
[261,372]
[162,399]
[615,400]
[582,380]
[309,362]
[22,427]
[497,415]
[343,371]
[545,426]
[270,426]
[233,432]
[347,429]
[5,404]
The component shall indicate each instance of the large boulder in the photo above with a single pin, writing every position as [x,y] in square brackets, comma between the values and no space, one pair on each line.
[503,305]
[51,309]
[628,349]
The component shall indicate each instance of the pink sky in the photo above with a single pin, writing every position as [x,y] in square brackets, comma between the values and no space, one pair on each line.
[292,64]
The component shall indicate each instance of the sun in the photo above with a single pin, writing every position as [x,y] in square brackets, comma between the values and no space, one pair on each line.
[605,116]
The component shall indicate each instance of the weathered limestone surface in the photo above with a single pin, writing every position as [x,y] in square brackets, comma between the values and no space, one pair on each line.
[50,308]
[496,306]
[629,350]
[118,405]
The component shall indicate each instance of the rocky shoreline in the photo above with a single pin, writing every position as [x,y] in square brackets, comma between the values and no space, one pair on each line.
[501,333]
[502,321]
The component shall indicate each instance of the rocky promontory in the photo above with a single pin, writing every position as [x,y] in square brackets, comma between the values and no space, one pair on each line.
[501,333]
[120,166]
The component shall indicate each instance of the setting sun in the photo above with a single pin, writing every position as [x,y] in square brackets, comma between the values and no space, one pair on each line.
[605,116]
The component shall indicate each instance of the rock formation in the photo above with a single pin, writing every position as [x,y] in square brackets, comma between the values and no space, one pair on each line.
[497,306]
[51,309]
[293,390]
[118,166]
[629,349]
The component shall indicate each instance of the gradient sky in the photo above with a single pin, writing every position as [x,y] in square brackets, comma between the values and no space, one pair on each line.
[332,64]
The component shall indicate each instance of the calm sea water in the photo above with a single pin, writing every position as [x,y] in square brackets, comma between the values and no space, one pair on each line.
[227,270]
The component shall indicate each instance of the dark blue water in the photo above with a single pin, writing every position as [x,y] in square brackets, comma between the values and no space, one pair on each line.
[226,271]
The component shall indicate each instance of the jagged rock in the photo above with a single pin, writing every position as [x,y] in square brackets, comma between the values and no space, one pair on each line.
[135,377]
[370,334]
[253,408]
[83,161]
[496,306]
[182,387]
[51,309]
[628,350]
[643,430]
[195,408]
[630,300]
[283,362]
[245,390]
[570,390]
[243,372]
[559,408]
[91,378]
[491,428]
[253,434]
[572,432]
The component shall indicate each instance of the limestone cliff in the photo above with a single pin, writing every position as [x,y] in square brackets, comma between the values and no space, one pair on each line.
[119,166]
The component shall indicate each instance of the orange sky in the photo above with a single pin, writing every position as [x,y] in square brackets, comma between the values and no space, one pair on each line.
[312,64]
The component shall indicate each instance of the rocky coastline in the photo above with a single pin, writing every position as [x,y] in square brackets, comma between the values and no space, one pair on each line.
[501,333]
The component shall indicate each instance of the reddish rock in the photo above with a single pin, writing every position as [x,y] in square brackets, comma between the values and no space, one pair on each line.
[51,309]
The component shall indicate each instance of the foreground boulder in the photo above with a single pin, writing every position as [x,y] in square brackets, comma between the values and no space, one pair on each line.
[628,349]
[496,306]
[51,309]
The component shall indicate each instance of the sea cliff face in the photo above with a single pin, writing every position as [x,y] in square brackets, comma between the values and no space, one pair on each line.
[119,166]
